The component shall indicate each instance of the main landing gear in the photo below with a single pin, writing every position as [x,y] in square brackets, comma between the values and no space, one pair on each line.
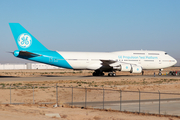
[98,73]
[111,74]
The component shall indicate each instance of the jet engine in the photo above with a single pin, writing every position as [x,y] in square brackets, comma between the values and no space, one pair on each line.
[136,69]
[125,67]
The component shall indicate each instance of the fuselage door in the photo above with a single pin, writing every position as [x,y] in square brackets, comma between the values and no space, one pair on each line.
[160,61]
[50,59]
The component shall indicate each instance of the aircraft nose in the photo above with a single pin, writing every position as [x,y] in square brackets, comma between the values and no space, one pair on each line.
[175,61]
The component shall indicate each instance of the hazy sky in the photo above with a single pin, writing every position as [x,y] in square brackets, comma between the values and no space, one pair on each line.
[93,25]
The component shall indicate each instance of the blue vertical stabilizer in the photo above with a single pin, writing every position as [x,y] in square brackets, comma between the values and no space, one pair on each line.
[31,49]
[24,40]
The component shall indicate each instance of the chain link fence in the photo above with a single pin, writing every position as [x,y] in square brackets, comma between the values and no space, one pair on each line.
[133,101]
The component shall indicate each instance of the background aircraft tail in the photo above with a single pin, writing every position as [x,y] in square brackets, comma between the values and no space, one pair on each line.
[24,40]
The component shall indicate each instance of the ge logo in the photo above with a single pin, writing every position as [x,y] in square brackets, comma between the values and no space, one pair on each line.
[24,40]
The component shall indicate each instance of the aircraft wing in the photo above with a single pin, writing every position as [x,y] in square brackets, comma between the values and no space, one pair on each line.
[108,62]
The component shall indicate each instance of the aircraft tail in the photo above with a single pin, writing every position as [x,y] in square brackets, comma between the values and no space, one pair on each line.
[24,40]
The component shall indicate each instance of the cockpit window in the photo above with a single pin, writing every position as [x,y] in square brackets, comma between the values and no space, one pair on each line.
[165,53]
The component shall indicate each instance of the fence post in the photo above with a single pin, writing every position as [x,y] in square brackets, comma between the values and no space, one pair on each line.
[56,94]
[103,98]
[159,101]
[10,94]
[139,101]
[85,96]
[33,94]
[120,98]
[72,96]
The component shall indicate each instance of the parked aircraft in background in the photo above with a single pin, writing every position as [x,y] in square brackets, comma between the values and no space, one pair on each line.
[134,61]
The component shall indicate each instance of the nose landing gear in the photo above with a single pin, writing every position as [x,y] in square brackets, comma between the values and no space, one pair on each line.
[159,72]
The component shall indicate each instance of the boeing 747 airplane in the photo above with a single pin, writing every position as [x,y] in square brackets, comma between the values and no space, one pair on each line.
[134,61]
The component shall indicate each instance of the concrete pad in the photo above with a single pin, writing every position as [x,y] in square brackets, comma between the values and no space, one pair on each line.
[53,115]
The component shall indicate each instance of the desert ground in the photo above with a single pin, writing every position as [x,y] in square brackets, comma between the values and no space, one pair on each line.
[45,91]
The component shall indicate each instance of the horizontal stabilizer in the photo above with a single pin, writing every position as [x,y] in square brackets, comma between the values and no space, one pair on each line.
[25,54]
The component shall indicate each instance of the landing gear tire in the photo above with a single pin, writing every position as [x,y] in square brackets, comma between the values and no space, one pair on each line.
[114,74]
[108,74]
[94,73]
[159,73]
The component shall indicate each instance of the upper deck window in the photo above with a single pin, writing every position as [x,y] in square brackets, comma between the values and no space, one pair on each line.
[153,53]
[139,53]
[130,60]
[149,60]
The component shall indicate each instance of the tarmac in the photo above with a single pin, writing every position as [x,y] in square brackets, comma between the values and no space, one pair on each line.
[53,77]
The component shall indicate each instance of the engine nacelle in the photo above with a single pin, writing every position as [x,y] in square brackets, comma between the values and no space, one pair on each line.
[136,69]
[125,67]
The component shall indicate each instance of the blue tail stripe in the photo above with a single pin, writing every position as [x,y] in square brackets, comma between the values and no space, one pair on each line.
[51,57]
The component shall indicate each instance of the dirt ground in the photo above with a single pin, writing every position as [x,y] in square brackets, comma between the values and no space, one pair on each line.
[47,93]
[35,112]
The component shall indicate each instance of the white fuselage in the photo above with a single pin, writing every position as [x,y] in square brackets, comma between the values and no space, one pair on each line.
[145,59]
